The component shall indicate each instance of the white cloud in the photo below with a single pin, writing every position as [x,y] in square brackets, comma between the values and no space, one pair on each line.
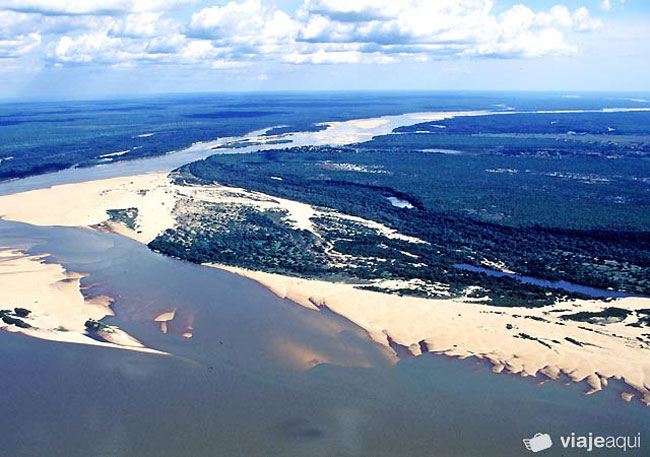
[582,21]
[168,44]
[198,50]
[102,47]
[245,31]
[82,7]
[248,22]
[240,32]
[443,27]
[19,45]
[87,48]
[14,23]
[352,11]
[139,25]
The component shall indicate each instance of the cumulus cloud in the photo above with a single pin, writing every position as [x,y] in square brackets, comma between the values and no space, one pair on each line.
[102,47]
[87,47]
[245,31]
[249,26]
[443,27]
[240,32]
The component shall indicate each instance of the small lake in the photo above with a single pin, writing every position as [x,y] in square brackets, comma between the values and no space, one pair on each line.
[564,285]
[400,203]
[443,151]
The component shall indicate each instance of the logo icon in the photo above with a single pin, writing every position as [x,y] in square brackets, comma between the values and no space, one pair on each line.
[539,442]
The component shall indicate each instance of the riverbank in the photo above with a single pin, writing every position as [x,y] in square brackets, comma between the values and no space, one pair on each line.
[515,340]
[520,341]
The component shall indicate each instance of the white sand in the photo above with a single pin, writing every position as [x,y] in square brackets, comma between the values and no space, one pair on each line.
[369,123]
[114,154]
[58,308]
[459,329]
[85,204]
[163,318]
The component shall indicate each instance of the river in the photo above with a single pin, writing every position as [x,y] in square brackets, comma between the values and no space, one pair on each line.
[563,285]
[261,376]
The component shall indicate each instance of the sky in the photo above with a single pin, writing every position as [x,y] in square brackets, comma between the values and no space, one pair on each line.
[106,48]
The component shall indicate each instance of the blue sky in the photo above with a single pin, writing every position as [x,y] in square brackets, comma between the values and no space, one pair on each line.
[105,48]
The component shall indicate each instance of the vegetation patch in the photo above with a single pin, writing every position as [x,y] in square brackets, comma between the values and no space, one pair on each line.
[126,216]
[607,315]
[9,320]
[92,324]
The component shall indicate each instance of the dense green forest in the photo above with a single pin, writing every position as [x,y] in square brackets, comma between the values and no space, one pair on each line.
[44,137]
[610,135]
[555,218]
[611,123]
[512,144]
[575,193]
[38,138]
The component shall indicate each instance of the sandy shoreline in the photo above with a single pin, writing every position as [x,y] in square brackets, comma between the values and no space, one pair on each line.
[457,329]
[57,308]
[515,340]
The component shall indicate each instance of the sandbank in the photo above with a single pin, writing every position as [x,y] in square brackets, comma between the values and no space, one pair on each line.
[515,340]
[57,308]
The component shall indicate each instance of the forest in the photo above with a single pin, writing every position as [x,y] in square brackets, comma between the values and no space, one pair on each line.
[552,222]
